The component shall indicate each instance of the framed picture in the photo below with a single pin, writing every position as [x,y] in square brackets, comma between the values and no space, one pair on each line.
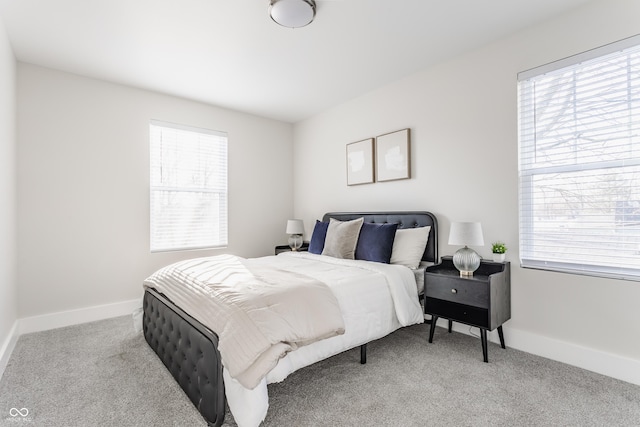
[393,156]
[360,162]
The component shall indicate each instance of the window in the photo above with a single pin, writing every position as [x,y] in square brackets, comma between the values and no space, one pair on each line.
[579,169]
[188,187]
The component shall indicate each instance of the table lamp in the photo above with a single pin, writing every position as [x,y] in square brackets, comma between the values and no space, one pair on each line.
[466,260]
[295,230]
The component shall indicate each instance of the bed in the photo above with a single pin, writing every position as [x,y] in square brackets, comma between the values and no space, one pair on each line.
[189,349]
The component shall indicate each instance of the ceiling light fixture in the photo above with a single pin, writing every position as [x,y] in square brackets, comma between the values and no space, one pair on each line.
[292,13]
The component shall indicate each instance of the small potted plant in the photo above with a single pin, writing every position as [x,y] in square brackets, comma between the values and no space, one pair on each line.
[498,249]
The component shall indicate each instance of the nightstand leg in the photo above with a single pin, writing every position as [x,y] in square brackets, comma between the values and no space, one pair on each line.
[434,320]
[483,338]
[363,354]
[450,325]
[501,334]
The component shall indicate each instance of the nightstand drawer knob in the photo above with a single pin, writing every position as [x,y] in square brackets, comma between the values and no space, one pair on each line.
[454,291]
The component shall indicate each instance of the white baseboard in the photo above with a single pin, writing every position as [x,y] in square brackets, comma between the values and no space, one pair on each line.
[61,319]
[611,365]
[7,347]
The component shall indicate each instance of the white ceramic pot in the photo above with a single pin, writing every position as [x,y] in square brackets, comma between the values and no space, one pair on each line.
[498,257]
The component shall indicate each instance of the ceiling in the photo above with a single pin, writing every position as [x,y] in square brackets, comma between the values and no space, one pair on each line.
[229,53]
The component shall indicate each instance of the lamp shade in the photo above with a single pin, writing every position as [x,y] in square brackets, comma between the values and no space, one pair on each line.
[295,226]
[292,13]
[466,233]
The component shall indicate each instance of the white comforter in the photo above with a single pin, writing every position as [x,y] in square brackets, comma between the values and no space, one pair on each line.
[375,299]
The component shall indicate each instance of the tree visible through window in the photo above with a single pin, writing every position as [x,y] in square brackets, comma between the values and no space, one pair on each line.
[188,188]
[579,171]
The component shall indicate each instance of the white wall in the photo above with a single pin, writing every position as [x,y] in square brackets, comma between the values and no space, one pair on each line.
[8,245]
[83,187]
[463,117]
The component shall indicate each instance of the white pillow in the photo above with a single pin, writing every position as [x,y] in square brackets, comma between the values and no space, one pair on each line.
[342,238]
[409,246]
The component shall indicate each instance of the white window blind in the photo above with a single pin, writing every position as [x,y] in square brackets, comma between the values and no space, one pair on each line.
[188,187]
[579,169]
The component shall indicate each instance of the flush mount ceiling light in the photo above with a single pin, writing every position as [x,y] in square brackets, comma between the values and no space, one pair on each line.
[292,13]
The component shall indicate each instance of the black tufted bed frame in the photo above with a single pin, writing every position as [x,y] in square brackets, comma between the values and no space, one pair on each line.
[189,350]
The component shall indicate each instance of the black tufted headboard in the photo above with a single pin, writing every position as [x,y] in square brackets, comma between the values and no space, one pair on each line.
[404,220]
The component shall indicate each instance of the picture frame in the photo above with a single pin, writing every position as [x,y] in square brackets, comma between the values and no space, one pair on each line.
[393,156]
[360,162]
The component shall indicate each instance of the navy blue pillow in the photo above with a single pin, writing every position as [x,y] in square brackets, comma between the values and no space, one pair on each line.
[316,245]
[376,242]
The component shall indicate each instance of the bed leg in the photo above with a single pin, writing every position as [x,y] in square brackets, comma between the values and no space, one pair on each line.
[363,354]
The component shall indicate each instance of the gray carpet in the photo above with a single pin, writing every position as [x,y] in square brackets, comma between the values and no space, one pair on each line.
[104,374]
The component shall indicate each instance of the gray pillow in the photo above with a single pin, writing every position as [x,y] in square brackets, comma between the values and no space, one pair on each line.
[342,238]
[409,245]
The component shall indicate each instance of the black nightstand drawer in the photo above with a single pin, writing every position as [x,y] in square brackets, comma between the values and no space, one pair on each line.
[458,290]
[459,312]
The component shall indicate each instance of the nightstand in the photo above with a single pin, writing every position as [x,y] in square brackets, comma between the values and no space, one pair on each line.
[482,300]
[286,248]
